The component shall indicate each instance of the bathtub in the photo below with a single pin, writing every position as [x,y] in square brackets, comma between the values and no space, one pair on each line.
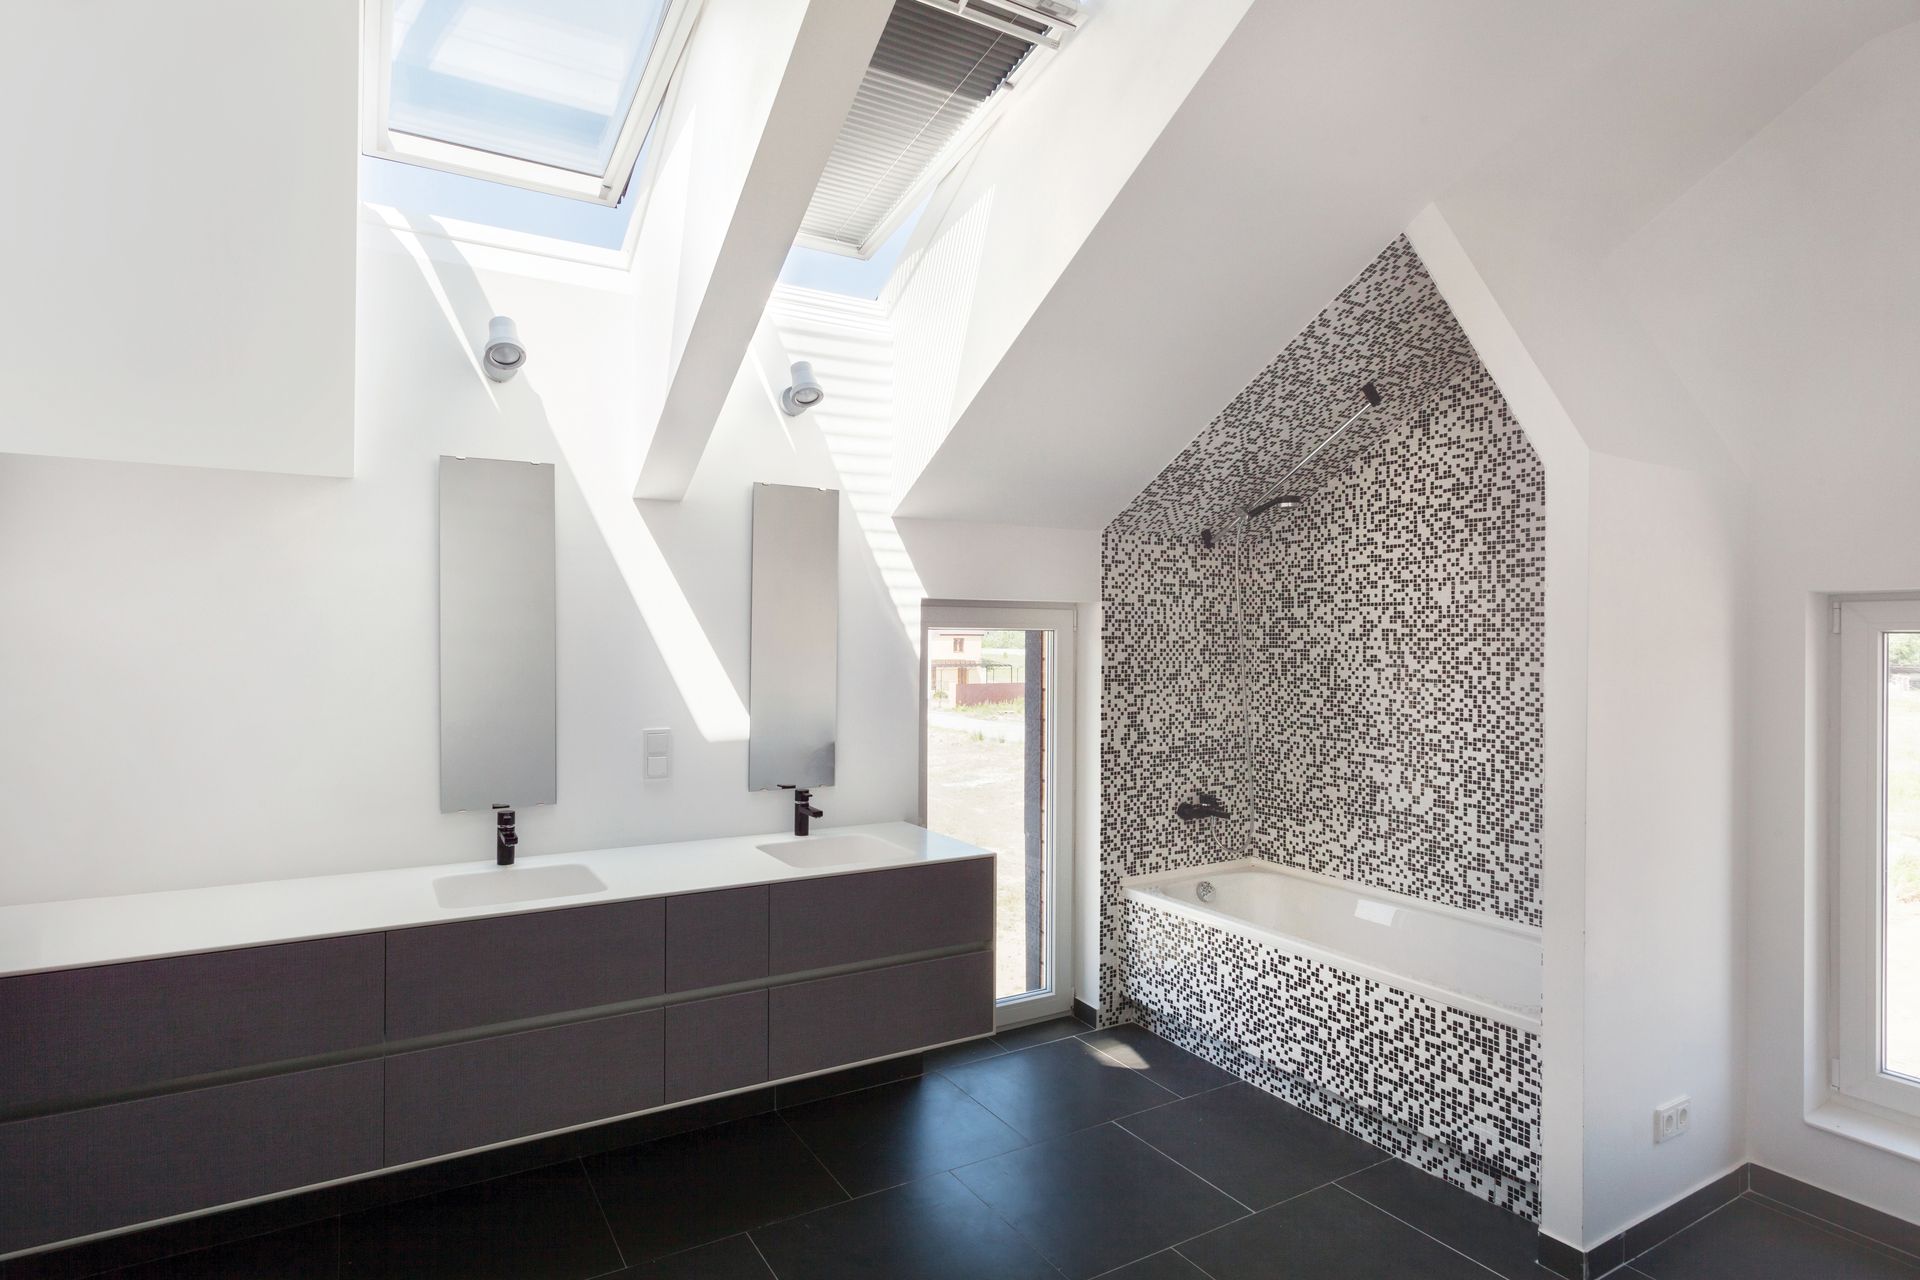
[1413,1026]
[1476,963]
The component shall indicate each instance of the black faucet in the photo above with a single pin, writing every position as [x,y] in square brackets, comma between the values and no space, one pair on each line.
[504,836]
[803,810]
[1204,805]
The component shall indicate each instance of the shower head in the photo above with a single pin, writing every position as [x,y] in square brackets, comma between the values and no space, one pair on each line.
[1284,501]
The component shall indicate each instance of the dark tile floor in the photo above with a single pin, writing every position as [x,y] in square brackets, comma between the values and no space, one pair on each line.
[1045,1152]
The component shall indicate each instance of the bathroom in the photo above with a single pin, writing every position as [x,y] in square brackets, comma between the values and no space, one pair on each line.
[1176,685]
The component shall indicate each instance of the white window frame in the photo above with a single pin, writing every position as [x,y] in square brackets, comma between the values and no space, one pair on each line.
[676,29]
[1860,857]
[1063,620]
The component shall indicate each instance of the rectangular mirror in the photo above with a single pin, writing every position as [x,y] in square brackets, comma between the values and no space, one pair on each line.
[793,681]
[497,641]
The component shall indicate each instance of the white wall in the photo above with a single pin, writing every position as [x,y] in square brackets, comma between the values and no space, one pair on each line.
[1782,289]
[1563,884]
[162,160]
[220,676]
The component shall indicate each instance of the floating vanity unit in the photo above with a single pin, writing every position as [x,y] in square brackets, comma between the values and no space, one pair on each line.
[174,1052]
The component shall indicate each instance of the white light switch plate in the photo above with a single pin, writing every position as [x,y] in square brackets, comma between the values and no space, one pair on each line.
[657,749]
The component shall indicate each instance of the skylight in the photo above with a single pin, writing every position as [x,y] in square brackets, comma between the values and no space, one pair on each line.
[551,95]
[941,68]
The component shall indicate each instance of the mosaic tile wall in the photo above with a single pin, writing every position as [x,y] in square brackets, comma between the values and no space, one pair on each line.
[1386,637]
[1452,1092]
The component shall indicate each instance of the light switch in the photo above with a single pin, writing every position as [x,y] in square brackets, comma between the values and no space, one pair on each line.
[657,748]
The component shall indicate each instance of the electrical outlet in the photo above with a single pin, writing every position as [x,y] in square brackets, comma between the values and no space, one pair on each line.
[1672,1119]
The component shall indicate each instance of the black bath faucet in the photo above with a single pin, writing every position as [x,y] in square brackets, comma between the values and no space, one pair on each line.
[1204,805]
[803,810]
[504,836]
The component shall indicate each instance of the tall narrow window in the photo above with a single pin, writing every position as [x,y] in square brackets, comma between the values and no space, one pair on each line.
[1879,853]
[997,771]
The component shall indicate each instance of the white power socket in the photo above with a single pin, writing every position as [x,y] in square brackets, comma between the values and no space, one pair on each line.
[1672,1119]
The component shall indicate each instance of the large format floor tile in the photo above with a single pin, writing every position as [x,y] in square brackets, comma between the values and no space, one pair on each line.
[301,1253]
[734,1258]
[1097,1199]
[1167,1065]
[1749,1239]
[1327,1234]
[1501,1241]
[1161,1266]
[1038,1033]
[1251,1145]
[543,1223]
[697,1187]
[1056,1088]
[896,1133]
[934,1229]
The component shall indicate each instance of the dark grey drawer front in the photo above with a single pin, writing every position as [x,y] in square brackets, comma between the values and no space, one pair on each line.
[469,1095]
[815,924]
[84,1171]
[813,1026]
[446,977]
[716,938]
[716,1045]
[82,1034]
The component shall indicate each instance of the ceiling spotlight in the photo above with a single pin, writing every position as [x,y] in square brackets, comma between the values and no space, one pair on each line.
[805,391]
[505,355]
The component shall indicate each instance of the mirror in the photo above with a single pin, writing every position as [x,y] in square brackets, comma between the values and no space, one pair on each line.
[793,679]
[497,645]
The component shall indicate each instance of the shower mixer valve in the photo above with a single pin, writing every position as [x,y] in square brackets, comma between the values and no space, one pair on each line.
[1204,804]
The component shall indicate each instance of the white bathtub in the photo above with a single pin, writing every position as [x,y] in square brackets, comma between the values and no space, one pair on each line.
[1474,962]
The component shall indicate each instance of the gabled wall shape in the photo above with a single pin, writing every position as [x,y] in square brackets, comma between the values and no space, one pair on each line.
[1361,679]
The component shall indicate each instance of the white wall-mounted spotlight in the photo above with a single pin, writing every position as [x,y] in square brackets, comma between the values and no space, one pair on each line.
[505,356]
[805,391]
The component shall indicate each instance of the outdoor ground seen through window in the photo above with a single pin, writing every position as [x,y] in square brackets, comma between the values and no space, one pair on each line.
[977,775]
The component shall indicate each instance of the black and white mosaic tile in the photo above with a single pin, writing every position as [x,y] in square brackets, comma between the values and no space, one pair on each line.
[1361,679]
[1450,1091]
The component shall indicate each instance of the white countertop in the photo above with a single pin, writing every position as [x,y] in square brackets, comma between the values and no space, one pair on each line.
[142,926]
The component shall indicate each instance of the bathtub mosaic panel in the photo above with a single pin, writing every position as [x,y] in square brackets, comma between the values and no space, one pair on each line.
[1387,636]
[1452,1092]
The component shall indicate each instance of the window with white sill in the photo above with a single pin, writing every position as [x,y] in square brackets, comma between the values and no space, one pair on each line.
[1878,854]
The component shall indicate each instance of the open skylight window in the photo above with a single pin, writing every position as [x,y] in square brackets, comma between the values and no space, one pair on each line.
[551,95]
[941,68]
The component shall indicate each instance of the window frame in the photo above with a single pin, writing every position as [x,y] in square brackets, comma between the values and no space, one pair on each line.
[376,139]
[1859,791]
[1062,925]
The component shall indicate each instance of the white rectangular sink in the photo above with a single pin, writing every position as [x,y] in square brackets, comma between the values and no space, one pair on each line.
[515,884]
[833,851]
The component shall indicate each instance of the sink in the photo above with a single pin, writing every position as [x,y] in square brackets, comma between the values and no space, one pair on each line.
[515,884]
[833,851]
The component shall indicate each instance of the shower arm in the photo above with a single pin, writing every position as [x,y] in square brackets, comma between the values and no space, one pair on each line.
[1278,490]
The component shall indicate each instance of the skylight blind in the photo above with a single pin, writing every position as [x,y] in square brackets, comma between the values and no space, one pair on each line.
[930,74]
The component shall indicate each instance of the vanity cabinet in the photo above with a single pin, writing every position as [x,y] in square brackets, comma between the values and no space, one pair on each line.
[132,1092]
[876,1013]
[717,938]
[461,1096]
[475,973]
[716,1046]
[78,1036]
[871,915]
[78,1172]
